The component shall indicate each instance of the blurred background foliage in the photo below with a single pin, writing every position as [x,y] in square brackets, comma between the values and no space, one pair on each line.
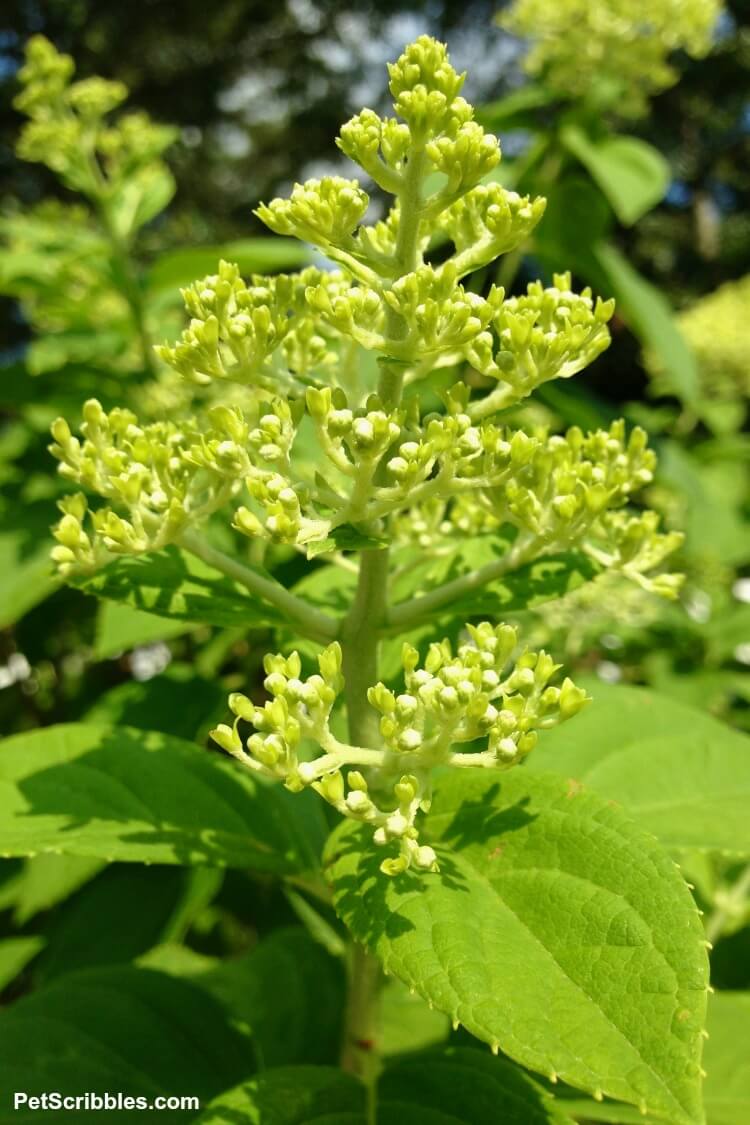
[650,206]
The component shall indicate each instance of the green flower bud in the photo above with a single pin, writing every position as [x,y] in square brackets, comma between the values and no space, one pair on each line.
[572,699]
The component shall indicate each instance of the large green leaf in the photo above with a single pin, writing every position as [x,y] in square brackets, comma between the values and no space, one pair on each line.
[715,522]
[556,930]
[76,938]
[726,1091]
[463,1086]
[291,1095]
[176,584]
[648,313]
[632,174]
[574,203]
[252,255]
[127,794]
[289,992]
[681,773]
[455,1086]
[118,1029]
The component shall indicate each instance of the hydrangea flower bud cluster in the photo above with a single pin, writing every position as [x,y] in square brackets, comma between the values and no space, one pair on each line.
[392,468]
[546,334]
[480,693]
[69,128]
[261,334]
[470,695]
[163,476]
[297,709]
[577,44]
[716,327]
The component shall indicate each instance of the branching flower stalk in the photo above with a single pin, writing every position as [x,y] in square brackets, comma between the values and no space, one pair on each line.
[114,163]
[394,464]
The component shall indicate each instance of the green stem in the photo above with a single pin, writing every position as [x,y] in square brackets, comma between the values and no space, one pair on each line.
[359,642]
[406,614]
[129,286]
[501,398]
[312,622]
[358,1054]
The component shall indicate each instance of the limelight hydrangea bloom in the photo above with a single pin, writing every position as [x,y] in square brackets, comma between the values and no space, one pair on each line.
[718,330]
[576,44]
[392,462]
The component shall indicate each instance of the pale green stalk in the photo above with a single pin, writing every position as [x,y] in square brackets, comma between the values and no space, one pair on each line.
[406,614]
[310,621]
[359,641]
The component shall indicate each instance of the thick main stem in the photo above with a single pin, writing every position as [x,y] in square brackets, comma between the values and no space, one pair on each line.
[359,642]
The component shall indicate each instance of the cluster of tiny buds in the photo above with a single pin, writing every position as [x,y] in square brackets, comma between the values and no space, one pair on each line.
[472,695]
[480,693]
[68,124]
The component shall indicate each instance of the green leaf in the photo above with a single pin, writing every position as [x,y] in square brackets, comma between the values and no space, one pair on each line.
[649,314]
[290,994]
[74,935]
[532,584]
[727,1062]
[515,110]
[174,583]
[463,1086]
[176,702]
[15,954]
[143,796]
[177,960]
[716,528]
[118,1029]
[252,255]
[726,1091]
[556,930]
[26,576]
[329,588]
[49,879]
[680,773]
[120,627]
[574,204]
[407,1023]
[141,197]
[291,1095]
[456,1086]
[346,537]
[632,174]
